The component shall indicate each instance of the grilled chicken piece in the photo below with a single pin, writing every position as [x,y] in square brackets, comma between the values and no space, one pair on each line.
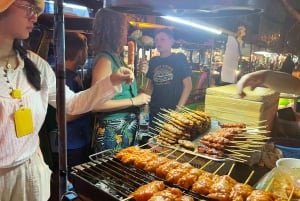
[240,192]
[221,188]
[151,166]
[145,192]
[223,184]
[175,174]
[126,151]
[203,184]
[187,144]
[184,198]
[143,159]
[169,194]
[163,169]
[188,179]
[261,196]
[131,157]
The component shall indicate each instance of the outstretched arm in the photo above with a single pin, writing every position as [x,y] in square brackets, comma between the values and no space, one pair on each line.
[278,81]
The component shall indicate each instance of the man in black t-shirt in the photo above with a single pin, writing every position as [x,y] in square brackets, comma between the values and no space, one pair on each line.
[169,76]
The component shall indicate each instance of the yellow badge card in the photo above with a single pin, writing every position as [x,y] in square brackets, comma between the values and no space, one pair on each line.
[23,122]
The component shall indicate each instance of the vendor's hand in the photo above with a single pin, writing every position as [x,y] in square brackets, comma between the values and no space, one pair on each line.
[252,80]
[141,99]
[123,74]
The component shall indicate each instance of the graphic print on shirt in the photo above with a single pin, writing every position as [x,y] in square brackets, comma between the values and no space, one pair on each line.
[163,75]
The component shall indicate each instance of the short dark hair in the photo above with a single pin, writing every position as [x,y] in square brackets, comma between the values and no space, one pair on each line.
[74,42]
[167,31]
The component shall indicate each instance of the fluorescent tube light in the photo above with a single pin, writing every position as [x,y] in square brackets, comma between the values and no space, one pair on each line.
[192,24]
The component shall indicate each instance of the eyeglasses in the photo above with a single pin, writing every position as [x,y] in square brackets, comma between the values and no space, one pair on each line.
[30,10]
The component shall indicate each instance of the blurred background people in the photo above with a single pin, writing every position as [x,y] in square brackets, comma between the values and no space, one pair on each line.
[232,56]
[79,127]
[116,123]
[288,65]
[168,77]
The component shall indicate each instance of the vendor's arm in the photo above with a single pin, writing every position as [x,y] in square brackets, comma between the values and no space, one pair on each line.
[187,88]
[278,81]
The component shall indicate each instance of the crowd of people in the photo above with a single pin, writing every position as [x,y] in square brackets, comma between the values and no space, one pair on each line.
[99,117]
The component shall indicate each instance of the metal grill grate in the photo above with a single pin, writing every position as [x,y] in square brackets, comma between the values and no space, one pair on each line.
[106,178]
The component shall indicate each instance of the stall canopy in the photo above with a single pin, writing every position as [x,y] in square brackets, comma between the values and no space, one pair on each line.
[268,22]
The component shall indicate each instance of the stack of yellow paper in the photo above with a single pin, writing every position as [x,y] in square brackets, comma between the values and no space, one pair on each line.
[258,108]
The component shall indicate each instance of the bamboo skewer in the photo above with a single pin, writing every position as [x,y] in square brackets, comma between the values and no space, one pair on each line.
[172,152]
[192,159]
[291,194]
[258,132]
[257,127]
[128,198]
[230,170]
[164,152]
[164,116]
[155,129]
[237,153]
[252,136]
[269,185]
[243,142]
[180,156]
[243,149]
[206,164]
[237,159]
[249,177]
[248,145]
[219,168]
[147,144]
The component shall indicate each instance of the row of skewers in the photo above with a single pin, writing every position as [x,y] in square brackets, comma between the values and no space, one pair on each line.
[172,126]
[157,191]
[235,141]
[223,188]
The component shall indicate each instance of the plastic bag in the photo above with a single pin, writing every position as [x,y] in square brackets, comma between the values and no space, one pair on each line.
[283,182]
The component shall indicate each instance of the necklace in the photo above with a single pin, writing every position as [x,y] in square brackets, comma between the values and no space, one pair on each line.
[7,64]
[14,92]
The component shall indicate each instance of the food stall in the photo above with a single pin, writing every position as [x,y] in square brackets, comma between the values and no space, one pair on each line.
[117,176]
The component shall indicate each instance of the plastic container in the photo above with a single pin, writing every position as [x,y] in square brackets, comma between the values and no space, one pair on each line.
[288,162]
[288,128]
[290,147]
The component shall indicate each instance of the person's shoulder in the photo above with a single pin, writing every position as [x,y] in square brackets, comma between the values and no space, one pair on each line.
[33,55]
[154,60]
[103,55]
[179,55]
[37,59]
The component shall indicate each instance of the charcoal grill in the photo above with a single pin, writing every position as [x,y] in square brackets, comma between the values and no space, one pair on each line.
[106,178]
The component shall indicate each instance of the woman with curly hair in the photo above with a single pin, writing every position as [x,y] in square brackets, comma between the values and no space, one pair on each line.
[117,124]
